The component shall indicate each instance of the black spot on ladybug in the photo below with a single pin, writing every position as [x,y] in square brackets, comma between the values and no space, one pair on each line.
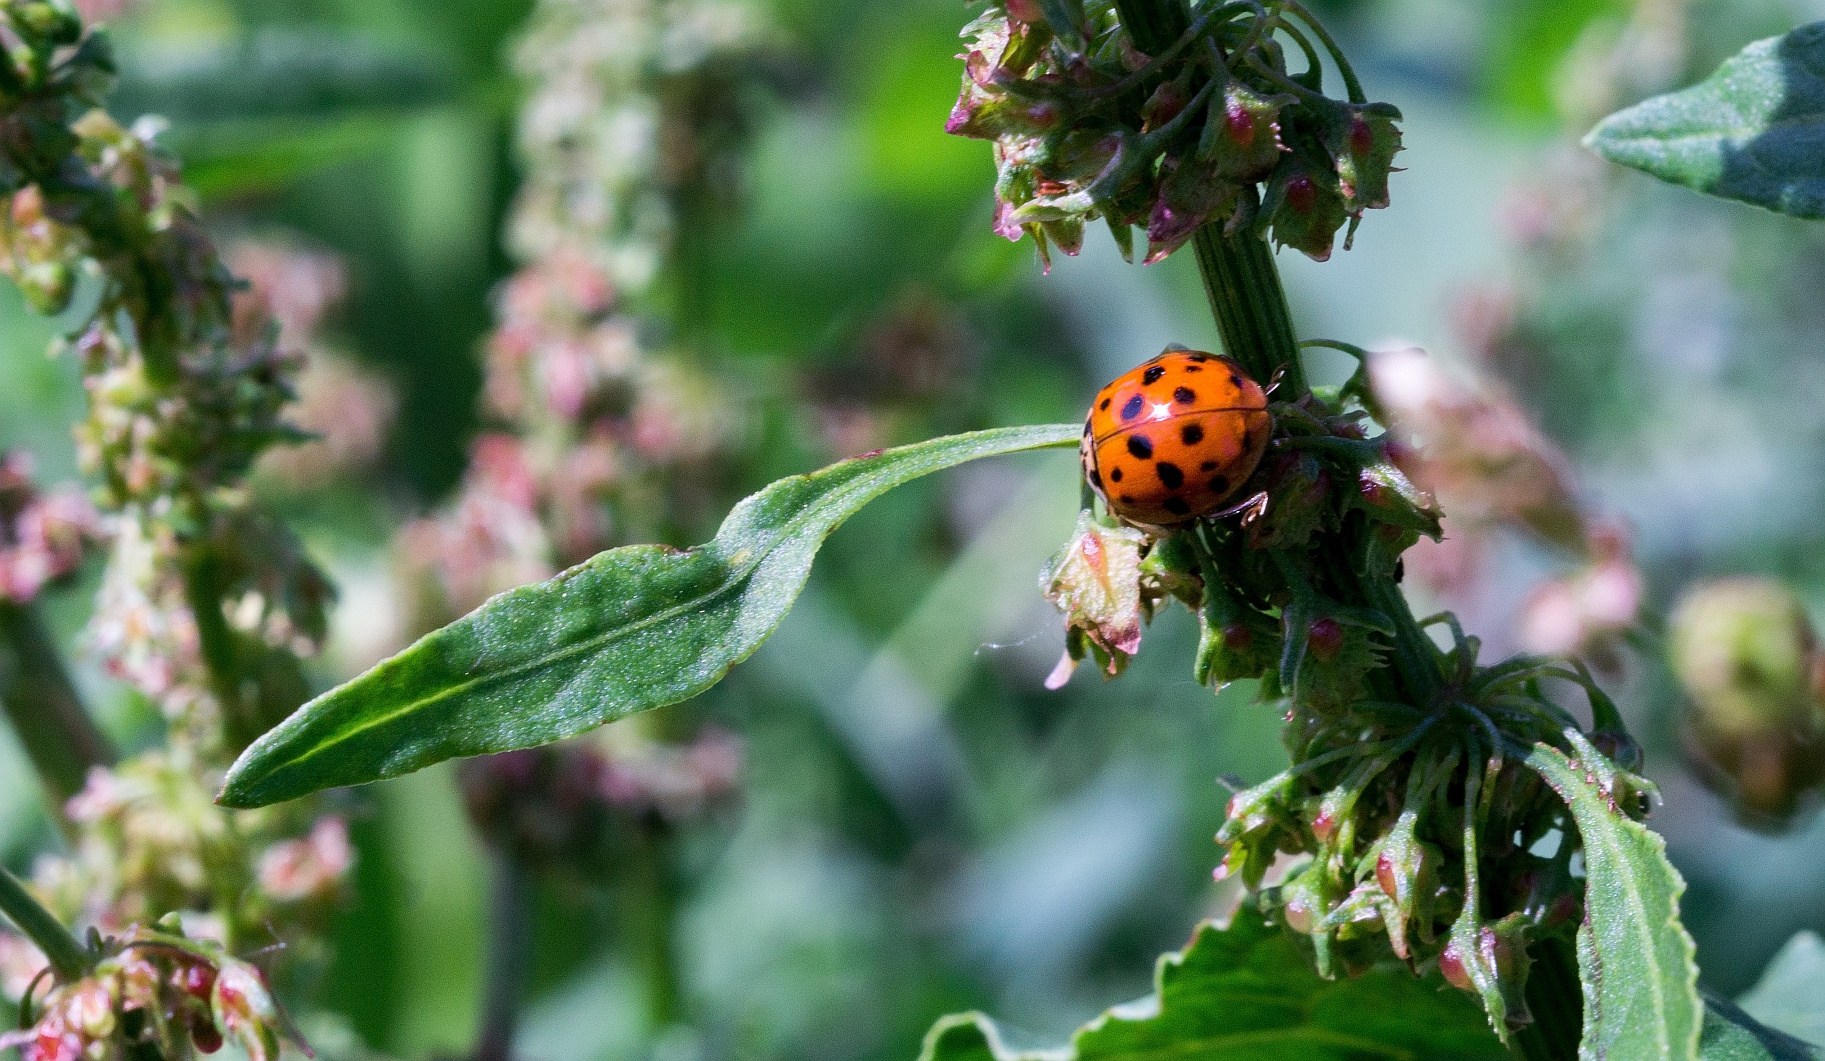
[1193,368]
[1199,358]
[1115,475]
[1141,446]
[1208,466]
[1248,439]
[1131,408]
[1153,374]
[1184,395]
[1219,485]
[1235,380]
[1126,499]
[1170,475]
[1192,434]
[1176,506]
[1105,405]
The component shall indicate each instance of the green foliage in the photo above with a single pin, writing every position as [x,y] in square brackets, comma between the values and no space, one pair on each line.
[1788,997]
[1249,992]
[628,630]
[1753,131]
[1640,982]
[277,73]
[1731,1035]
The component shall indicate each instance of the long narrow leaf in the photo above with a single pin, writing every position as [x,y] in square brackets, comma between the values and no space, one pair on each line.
[630,629]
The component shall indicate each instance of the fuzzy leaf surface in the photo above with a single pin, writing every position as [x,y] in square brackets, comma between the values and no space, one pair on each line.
[1754,130]
[1634,957]
[627,630]
[1248,993]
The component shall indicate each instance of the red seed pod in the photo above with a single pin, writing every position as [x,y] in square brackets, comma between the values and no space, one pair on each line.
[1325,639]
[204,1034]
[1451,965]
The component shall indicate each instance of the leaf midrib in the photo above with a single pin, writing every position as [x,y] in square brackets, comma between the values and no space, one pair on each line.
[736,577]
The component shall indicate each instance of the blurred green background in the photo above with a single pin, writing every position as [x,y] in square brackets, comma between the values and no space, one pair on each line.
[924,828]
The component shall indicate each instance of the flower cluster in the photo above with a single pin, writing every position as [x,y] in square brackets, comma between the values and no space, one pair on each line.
[43,536]
[152,842]
[1413,826]
[1750,661]
[208,602]
[154,992]
[582,805]
[1478,451]
[637,115]
[1213,128]
[183,397]
[343,408]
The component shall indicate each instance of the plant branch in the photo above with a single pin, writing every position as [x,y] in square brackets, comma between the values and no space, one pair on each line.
[69,959]
[47,713]
[509,958]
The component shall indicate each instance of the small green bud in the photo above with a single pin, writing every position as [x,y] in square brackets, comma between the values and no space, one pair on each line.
[47,286]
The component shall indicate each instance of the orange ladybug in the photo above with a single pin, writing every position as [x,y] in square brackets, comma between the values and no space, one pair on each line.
[1175,438]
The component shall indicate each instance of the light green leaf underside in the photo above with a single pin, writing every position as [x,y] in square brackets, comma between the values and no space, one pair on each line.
[1732,1035]
[628,630]
[1754,130]
[1636,961]
[1790,996]
[1248,993]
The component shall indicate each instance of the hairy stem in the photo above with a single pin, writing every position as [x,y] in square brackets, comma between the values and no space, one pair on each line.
[509,958]
[69,959]
[45,709]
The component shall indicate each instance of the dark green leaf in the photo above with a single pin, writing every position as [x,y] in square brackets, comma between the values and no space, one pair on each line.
[1754,131]
[1640,982]
[1249,992]
[630,629]
[1732,1035]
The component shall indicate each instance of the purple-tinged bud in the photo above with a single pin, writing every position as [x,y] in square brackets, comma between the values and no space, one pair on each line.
[1325,639]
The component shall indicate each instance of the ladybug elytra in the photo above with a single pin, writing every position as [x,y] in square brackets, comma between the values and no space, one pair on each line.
[1174,438]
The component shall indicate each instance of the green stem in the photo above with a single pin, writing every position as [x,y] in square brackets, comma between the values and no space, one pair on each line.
[69,959]
[45,709]
[651,913]
[1249,305]
[509,958]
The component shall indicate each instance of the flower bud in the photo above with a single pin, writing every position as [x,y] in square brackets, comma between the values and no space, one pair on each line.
[1491,961]
[243,1008]
[1096,582]
[1746,653]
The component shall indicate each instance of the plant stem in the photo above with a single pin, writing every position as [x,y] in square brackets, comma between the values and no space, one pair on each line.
[69,959]
[651,913]
[46,711]
[509,958]
[1249,304]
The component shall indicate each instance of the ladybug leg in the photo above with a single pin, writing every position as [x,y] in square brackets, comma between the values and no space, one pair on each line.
[1273,384]
[1252,508]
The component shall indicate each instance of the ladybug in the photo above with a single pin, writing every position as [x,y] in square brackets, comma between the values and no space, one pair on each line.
[1175,438]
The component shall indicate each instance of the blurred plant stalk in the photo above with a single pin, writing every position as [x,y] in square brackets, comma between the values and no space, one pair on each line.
[47,713]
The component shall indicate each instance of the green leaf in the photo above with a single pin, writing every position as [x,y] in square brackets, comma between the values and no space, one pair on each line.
[1788,996]
[280,73]
[1754,130]
[630,629]
[1732,1035]
[1249,992]
[1634,957]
